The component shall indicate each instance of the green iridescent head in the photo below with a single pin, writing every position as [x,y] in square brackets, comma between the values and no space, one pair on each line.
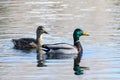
[77,33]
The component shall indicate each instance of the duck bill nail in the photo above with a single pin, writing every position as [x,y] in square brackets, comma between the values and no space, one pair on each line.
[85,34]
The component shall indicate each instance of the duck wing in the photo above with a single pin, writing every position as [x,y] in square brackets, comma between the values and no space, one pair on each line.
[28,40]
[58,46]
[23,43]
[60,50]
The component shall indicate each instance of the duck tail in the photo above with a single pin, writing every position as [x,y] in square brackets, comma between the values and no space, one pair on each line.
[45,48]
[14,42]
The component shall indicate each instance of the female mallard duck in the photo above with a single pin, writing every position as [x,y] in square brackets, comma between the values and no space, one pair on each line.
[29,43]
[63,48]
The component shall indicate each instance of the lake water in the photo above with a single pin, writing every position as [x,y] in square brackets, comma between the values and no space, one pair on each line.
[100,18]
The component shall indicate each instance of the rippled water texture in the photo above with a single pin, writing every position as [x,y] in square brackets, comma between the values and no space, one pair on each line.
[100,18]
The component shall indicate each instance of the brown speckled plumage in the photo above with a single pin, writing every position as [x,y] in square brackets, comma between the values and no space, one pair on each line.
[26,43]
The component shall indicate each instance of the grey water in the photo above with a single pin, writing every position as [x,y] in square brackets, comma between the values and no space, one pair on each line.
[100,18]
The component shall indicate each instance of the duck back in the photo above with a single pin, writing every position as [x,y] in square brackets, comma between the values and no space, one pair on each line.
[23,43]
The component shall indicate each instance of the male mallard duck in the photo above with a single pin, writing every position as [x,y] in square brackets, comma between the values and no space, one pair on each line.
[29,43]
[63,48]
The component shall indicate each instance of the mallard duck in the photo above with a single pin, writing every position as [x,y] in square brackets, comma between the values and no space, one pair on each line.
[64,48]
[29,43]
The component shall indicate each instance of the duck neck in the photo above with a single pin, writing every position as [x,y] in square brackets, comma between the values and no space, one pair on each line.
[39,38]
[40,41]
[77,44]
[76,39]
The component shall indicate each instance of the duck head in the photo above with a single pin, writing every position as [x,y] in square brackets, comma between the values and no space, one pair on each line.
[40,30]
[77,33]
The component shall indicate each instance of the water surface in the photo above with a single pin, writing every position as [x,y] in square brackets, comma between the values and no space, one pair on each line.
[60,17]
